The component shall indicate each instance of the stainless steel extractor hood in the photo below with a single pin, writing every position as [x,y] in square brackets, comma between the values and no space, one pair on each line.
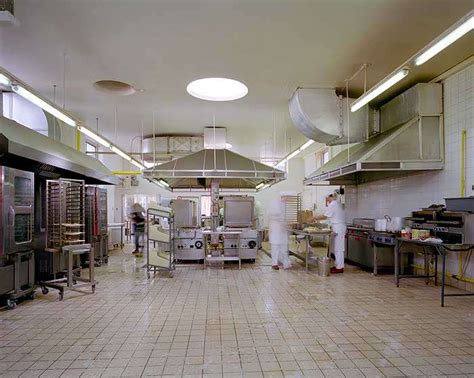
[320,115]
[411,139]
[26,149]
[233,171]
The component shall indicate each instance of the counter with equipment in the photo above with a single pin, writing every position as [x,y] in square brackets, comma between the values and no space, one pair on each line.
[436,231]
[369,247]
[239,217]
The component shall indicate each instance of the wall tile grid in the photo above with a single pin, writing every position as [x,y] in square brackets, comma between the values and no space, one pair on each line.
[399,196]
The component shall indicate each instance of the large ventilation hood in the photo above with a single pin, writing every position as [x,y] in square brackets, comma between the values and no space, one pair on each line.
[196,171]
[411,139]
[26,149]
[320,115]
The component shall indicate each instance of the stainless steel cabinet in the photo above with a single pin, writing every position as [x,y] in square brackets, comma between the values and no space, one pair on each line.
[359,250]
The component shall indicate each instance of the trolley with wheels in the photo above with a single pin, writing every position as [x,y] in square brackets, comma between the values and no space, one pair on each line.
[72,280]
[160,256]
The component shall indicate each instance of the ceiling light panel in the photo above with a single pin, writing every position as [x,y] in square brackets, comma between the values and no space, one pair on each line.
[217,89]
[378,89]
[4,80]
[445,41]
[43,105]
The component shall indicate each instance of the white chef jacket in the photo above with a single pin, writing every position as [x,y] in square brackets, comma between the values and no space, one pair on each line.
[335,213]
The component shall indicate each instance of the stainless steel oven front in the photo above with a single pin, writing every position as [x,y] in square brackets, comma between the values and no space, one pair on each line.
[17,210]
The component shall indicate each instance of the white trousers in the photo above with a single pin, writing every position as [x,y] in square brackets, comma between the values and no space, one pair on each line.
[339,245]
[280,255]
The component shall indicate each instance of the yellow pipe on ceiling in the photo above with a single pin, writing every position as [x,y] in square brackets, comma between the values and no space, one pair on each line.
[127,173]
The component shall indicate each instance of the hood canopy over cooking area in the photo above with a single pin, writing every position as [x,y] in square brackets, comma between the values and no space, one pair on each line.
[409,137]
[28,150]
[233,171]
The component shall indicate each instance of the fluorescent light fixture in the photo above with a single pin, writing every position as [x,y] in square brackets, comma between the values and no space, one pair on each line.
[119,152]
[295,152]
[262,184]
[157,182]
[306,145]
[94,136]
[43,105]
[148,164]
[217,89]
[137,164]
[228,146]
[163,182]
[378,89]
[265,186]
[445,41]
[4,80]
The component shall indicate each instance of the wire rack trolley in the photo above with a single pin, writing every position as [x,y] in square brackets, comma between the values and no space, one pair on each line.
[160,252]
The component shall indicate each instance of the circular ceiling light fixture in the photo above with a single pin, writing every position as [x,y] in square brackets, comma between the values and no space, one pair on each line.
[115,87]
[217,89]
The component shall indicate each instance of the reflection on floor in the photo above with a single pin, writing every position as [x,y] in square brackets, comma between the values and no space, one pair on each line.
[252,323]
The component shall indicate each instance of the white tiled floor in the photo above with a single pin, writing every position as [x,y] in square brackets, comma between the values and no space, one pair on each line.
[252,323]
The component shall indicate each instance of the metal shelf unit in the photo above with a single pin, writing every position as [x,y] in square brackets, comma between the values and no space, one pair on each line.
[292,208]
[65,205]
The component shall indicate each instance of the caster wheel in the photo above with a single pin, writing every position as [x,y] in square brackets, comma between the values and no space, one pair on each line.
[61,295]
[11,304]
[106,261]
[30,296]
[171,275]
[93,289]
[98,263]
[44,290]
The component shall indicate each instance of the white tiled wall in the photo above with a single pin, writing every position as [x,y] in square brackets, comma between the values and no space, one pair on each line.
[399,196]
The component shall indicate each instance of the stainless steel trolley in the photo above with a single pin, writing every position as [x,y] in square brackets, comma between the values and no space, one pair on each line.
[161,255]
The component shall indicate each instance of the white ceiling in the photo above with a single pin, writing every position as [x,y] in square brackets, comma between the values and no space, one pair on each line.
[272,46]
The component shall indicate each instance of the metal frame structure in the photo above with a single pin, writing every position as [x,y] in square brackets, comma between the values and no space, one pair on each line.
[151,215]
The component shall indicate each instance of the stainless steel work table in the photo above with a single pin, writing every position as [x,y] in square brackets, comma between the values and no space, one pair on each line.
[308,236]
[436,249]
[207,233]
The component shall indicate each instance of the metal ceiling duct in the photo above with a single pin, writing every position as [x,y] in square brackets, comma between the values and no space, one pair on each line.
[26,149]
[321,115]
[233,171]
[412,139]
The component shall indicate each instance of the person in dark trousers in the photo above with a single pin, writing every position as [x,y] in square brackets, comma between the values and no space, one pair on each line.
[138,227]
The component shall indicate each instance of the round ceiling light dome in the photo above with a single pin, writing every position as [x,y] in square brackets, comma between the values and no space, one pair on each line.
[114,87]
[217,89]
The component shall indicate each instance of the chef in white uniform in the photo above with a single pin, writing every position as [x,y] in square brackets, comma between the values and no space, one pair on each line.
[278,234]
[336,214]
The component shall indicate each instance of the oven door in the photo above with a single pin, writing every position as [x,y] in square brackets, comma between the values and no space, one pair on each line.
[18,200]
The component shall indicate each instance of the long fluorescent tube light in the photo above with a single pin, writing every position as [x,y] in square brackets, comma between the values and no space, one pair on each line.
[260,185]
[119,152]
[43,105]
[94,136]
[4,80]
[447,40]
[163,182]
[295,152]
[137,164]
[148,164]
[378,89]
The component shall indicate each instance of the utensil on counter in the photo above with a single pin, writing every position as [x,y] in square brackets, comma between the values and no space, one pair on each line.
[395,224]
